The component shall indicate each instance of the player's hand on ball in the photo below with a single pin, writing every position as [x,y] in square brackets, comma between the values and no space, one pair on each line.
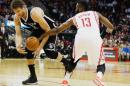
[37,52]
[21,50]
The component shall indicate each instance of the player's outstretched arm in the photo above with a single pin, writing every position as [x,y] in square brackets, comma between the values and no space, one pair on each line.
[106,22]
[61,28]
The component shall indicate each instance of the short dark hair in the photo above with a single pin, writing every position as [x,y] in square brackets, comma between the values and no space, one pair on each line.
[17,4]
[83,3]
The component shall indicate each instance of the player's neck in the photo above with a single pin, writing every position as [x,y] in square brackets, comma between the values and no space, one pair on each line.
[81,10]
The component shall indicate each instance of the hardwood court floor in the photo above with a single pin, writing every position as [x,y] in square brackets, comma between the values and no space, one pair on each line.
[50,73]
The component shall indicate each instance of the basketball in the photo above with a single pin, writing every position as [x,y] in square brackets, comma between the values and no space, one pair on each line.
[32,43]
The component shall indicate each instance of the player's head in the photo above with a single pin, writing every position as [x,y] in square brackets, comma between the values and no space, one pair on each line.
[18,6]
[81,5]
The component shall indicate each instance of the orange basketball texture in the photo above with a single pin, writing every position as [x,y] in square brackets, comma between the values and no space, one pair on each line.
[32,43]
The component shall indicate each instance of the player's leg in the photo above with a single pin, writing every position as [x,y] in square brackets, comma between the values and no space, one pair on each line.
[78,51]
[53,54]
[69,68]
[100,72]
[31,66]
[68,64]
[56,55]
[31,61]
[96,57]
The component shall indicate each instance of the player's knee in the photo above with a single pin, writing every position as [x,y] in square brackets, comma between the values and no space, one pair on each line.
[101,68]
[51,54]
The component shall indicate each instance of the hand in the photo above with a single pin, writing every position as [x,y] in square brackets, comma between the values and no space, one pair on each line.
[21,50]
[37,52]
[52,32]
[109,30]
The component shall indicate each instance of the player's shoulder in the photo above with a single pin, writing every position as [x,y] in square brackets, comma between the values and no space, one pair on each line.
[36,10]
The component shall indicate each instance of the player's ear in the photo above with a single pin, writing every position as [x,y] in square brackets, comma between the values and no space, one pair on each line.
[76,8]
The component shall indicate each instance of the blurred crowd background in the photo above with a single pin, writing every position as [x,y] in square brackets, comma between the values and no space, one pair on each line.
[117,11]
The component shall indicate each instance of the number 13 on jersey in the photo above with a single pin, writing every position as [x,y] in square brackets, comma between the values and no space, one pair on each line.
[86,22]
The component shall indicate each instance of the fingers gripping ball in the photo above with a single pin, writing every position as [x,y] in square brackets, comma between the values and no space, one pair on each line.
[32,43]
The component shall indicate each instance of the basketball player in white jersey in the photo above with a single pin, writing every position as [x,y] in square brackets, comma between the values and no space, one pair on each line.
[87,39]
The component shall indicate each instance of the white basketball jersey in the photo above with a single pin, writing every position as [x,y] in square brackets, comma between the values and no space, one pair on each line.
[88,37]
[89,21]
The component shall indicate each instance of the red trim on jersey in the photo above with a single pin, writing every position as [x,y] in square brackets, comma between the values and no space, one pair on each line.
[101,53]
